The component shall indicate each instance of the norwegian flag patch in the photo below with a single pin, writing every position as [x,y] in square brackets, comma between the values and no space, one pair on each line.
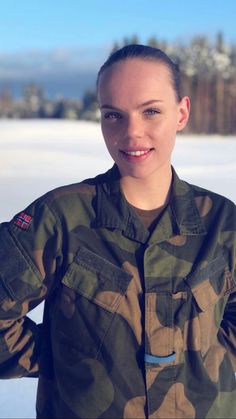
[22,220]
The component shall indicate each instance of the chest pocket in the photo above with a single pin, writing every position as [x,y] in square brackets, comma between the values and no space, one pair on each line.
[91,293]
[210,289]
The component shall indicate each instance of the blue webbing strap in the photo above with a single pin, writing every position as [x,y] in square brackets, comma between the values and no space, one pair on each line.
[152,359]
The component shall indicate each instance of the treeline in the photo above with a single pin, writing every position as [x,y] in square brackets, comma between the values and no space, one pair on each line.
[208,72]
[34,104]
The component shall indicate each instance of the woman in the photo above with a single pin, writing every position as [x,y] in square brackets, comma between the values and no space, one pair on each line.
[136,268]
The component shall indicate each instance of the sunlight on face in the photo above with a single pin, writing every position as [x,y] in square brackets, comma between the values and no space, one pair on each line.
[140,115]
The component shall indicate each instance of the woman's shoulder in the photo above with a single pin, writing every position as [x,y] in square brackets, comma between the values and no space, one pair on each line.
[85,188]
[219,207]
[215,196]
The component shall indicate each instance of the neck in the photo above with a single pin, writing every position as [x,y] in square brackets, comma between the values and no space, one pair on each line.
[148,193]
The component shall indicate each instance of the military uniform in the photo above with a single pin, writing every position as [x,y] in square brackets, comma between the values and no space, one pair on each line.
[136,325]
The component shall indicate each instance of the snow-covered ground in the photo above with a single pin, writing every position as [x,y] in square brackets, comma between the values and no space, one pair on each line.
[36,156]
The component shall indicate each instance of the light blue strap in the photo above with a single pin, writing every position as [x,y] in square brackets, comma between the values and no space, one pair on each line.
[152,359]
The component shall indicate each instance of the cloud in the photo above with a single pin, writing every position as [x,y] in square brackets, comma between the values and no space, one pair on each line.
[40,63]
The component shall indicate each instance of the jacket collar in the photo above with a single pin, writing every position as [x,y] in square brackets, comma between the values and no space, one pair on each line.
[180,217]
[184,208]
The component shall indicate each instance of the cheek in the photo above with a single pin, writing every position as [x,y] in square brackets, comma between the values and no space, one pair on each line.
[110,135]
[170,146]
[110,142]
[165,139]
[106,131]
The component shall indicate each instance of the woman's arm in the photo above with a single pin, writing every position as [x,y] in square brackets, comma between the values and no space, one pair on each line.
[29,255]
[227,332]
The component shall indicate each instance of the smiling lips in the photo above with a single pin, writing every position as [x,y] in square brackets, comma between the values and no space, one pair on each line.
[136,154]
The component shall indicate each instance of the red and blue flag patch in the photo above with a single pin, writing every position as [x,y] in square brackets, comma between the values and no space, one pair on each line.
[22,220]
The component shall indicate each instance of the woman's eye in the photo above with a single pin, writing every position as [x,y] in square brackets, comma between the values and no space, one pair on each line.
[112,116]
[151,111]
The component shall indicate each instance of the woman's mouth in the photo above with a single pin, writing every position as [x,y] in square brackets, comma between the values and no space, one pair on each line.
[136,154]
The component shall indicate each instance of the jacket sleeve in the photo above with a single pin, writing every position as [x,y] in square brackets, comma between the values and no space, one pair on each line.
[227,331]
[29,258]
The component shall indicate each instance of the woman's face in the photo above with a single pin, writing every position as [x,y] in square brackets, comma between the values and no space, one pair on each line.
[140,116]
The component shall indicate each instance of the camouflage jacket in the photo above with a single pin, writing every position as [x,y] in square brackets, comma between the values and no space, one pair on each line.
[135,325]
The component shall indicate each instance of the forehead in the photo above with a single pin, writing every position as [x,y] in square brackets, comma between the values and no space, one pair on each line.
[135,77]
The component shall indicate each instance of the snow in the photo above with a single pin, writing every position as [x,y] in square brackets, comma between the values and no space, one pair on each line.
[37,156]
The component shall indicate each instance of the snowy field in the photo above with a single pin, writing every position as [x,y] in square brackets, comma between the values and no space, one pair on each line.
[36,156]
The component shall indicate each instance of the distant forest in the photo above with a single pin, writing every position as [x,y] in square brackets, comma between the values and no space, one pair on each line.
[208,69]
[208,77]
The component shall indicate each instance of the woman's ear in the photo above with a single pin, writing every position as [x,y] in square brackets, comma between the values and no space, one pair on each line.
[184,111]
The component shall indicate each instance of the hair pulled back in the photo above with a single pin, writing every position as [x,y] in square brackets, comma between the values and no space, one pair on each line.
[145,52]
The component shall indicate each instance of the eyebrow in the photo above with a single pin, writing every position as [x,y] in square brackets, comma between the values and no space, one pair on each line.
[149,102]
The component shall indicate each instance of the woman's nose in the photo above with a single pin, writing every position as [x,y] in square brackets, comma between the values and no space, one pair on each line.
[134,127]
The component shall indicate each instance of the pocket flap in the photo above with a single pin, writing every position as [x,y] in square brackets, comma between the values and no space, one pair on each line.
[19,277]
[97,279]
[211,283]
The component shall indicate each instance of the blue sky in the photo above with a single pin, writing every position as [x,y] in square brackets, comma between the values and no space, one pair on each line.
[60,44]
[49,24]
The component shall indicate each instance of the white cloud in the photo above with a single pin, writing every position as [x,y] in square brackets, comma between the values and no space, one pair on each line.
[25,64]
